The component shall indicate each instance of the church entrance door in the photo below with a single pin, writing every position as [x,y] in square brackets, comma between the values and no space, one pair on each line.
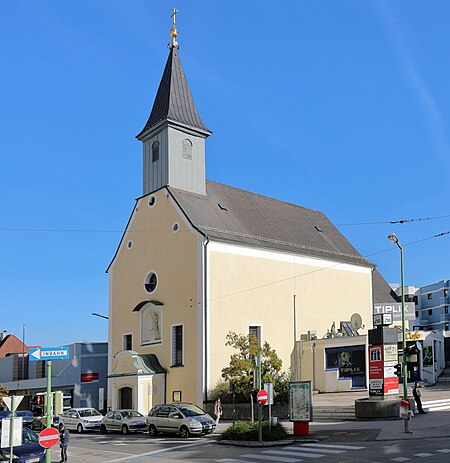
[126,398]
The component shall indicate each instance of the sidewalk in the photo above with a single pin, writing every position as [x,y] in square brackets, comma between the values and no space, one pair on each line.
[433,424]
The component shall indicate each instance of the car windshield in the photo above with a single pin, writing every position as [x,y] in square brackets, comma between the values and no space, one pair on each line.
[29,437]
[191,410]
[24,413]
[89,412]
[131,414]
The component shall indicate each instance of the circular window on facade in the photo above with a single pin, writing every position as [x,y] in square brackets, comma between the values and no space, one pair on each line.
[175,227]
[151,201]
[130,244]
[151,282]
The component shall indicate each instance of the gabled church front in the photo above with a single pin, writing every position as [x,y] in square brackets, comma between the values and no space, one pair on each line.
[199,259]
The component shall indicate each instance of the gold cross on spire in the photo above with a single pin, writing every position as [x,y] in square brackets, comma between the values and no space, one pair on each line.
[173,31]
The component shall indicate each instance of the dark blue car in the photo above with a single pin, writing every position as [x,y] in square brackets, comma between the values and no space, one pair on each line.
[29,452]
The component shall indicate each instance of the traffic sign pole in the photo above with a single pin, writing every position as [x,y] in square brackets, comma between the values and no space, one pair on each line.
[48,452]
[259,403]
[11,429]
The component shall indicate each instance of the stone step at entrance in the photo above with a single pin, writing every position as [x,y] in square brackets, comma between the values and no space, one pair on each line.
[333,413]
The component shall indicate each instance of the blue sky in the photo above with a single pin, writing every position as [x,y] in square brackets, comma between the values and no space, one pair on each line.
[340,106]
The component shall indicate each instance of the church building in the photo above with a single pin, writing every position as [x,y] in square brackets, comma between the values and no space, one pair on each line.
[200,259]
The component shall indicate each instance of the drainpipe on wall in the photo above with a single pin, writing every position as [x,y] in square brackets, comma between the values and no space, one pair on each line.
[205,320]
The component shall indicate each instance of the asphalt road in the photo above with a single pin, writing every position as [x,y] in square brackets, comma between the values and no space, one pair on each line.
[139,448]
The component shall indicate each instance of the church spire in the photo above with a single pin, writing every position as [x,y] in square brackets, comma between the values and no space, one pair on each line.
[173,101]
[174,136]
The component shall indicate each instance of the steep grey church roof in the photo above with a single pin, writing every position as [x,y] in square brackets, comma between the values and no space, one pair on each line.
[174,100]
[237,216]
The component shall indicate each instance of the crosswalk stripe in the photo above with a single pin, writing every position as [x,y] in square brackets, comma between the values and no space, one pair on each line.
[228,460]
[400,459]
[320,450]
[436,408]
[430,402]
[423,455]
[344,447]
[269,457]
[443,450]
[295,453]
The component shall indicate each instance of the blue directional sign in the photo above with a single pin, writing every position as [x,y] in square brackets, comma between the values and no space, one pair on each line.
[49,353]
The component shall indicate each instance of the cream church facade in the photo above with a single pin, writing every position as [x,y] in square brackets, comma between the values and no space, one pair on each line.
[199,259]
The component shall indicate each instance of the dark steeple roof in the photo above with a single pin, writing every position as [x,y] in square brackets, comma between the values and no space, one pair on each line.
[174,100]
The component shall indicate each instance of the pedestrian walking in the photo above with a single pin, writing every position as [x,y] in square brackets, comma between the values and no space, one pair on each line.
[63,441]
[217,410]
[417,397]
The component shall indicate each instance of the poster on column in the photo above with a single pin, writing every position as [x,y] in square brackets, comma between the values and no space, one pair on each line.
[376,370]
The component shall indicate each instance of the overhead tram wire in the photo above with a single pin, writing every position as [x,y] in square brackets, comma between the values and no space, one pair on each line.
[318,270]
[394,222]
[81,230]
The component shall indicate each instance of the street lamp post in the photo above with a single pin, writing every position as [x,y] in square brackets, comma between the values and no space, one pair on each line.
[99,315]
[393,238]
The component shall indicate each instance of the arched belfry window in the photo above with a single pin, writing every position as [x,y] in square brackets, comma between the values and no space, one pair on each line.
[155,151]
[187,149]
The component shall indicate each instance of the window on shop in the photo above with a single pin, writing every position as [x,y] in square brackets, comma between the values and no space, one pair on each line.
[349,360]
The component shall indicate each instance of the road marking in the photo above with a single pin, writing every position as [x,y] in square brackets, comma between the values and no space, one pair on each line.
[310,448]
[228,460]
[269,457]
[149,454]
[295,453]
[443,450]
[430,402]
[345,447]
[437,408]
[423,455]
[400,459]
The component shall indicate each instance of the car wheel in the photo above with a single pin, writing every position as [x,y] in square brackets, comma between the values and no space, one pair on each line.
[152,431]
[184,432]
[80,428]
[103,429]
[125,429]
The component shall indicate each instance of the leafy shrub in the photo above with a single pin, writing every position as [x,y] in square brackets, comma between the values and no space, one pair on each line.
[248,431]
[221,391]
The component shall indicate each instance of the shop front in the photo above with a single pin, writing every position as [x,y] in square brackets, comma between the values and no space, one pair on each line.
[334,364]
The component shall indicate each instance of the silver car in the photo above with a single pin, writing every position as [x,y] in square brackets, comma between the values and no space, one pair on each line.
[182,418]
[125,421]
[81,419]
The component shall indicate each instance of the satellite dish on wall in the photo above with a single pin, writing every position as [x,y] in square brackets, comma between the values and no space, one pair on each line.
[419,345]
[356,321]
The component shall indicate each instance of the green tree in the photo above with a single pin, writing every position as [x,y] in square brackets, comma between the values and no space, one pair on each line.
[242,367]
[3,393]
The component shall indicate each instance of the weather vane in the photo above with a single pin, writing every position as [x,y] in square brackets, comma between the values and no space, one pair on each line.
[173,31]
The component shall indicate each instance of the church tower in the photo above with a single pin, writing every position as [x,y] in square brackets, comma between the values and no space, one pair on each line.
[174,136]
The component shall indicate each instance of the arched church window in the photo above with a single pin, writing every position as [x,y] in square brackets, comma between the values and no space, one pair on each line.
[187,149]
[155,151]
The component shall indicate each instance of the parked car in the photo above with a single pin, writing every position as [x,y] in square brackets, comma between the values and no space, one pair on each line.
[29,452]
[27,417]
[81,419]
[124,421]
[184,419]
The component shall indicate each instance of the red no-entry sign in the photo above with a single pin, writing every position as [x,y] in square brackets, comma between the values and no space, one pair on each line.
[262,397]
[48,437]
